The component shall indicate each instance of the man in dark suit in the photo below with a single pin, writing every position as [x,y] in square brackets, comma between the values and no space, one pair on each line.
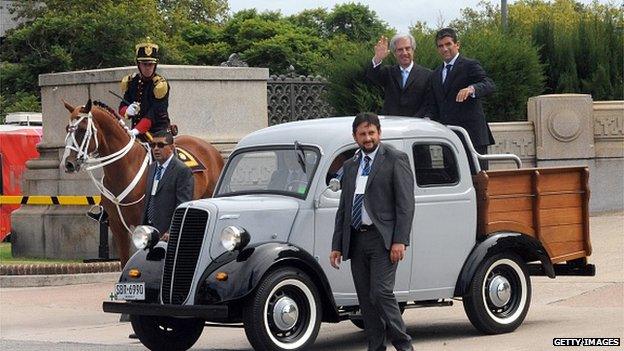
[169,184]
[405,85]
[373,225]
[458,86]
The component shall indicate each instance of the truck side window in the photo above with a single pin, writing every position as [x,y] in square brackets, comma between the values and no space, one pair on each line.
[335,169]
[435,165]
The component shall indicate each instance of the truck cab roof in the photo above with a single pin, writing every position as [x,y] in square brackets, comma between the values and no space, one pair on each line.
[332,133]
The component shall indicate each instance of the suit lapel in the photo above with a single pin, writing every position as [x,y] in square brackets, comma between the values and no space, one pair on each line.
[166,176]
[450,77]
[377,164]
[411,77]
[398,78]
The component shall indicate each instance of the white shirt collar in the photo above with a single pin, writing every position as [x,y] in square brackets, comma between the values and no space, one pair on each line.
[409,68]
[164,165]
[452,62]
[372,154]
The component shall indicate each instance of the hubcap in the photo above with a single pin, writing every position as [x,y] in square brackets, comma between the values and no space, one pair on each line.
[499,291]
[285,313]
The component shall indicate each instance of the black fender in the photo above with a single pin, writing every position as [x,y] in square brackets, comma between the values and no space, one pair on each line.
[246,269]
[527,247]
[150,263]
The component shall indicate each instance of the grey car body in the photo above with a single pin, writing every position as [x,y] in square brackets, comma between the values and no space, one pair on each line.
[278,280]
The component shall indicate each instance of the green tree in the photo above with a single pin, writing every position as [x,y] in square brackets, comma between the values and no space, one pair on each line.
[196,11]
[356,21]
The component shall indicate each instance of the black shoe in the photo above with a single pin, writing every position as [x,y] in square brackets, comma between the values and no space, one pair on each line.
[133,336]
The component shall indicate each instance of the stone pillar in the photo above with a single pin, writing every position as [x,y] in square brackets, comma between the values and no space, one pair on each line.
[564,136]
[218,104]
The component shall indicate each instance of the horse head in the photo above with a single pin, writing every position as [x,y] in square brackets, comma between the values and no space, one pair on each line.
[81,139]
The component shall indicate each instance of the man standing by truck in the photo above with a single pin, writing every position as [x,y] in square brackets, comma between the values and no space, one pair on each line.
[373,225]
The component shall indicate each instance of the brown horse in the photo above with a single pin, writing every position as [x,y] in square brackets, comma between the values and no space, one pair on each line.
[97,137]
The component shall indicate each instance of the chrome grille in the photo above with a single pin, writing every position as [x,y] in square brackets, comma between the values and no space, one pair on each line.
[186,236]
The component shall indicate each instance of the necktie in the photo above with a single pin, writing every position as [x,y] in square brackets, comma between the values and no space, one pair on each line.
[356,212]
[404,74]
[447,70]
[151,207]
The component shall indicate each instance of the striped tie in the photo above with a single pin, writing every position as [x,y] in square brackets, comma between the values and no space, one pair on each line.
[356,213]
[151,207]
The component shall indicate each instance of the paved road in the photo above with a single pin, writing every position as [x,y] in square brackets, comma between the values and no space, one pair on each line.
[70,318]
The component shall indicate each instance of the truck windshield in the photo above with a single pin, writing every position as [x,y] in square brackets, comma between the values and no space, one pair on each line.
[270,170]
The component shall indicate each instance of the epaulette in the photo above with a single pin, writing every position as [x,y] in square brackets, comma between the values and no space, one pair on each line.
[161,88]
[125,81]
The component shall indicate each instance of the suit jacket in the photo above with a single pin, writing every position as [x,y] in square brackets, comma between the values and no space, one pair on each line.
[175,187]
[468,114]
[408,101]
[388,197]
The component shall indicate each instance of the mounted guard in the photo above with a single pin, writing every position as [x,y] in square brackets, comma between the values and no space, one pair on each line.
[146,94]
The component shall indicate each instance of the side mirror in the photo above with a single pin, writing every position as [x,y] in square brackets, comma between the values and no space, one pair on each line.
[334,184]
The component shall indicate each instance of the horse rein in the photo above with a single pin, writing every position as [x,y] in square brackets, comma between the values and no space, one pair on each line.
[83,155]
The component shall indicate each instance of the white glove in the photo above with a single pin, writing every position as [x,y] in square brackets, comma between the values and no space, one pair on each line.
[135,132]
[133,109]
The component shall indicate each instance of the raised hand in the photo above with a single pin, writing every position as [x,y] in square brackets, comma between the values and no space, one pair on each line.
[381,50]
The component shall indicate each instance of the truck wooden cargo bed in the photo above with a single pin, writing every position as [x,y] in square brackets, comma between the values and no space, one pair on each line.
[549,204]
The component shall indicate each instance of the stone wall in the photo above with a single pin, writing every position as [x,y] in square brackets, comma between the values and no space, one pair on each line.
[218,104]
[570,130]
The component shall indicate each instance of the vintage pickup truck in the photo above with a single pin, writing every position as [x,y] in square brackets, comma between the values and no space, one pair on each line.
[257,253]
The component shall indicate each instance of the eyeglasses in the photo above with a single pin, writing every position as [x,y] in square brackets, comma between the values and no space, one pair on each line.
[159,144]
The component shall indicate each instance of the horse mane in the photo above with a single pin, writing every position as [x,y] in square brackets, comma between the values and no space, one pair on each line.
[106,108]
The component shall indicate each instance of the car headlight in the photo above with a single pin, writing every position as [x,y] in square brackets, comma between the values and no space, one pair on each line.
[234,238]
[145,236]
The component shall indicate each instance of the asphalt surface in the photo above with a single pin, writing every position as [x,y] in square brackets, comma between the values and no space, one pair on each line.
[69,317]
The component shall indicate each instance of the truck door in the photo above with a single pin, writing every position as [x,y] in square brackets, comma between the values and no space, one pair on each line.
[445,220]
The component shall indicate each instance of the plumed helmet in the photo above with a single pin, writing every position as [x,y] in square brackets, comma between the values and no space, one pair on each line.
[147,52]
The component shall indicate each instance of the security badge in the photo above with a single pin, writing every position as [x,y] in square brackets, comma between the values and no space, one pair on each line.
[155,186]
[360,184]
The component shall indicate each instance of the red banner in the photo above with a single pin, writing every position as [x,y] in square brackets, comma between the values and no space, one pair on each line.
[17,145]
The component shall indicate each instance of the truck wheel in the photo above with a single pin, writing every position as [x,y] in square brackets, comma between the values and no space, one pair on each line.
[284,313]
[167,333]
[499,295]
[359,322]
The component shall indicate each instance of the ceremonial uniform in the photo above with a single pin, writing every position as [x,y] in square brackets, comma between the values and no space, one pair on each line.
[146,94]
[153,96]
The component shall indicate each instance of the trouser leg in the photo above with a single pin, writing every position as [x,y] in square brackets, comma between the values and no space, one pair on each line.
[360,269]
[382,278]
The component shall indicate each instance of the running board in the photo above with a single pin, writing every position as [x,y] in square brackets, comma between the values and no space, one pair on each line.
[353,312]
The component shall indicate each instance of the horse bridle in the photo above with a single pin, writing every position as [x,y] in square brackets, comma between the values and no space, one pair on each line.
[84,156]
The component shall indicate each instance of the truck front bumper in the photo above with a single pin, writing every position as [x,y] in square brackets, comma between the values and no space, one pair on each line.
[210,312]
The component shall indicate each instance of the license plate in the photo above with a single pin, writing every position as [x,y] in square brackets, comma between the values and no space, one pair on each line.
[130,291]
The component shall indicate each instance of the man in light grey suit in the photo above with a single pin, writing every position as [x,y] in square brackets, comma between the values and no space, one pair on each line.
[373,225]
[169,184]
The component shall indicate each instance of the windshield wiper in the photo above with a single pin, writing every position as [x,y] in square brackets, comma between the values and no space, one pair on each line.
[300,156]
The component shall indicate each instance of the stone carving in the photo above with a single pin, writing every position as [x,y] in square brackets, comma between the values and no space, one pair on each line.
[522,146]
[564,125]
[234,61]
[609,126]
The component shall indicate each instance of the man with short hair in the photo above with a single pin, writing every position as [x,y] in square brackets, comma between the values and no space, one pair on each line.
[146,94]
[457,86]
[169,183]
[373,225]
[405,85]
